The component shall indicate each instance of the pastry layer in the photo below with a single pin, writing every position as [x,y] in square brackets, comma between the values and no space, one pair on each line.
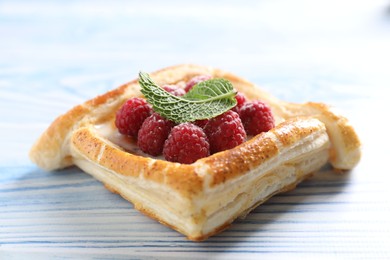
[206,211]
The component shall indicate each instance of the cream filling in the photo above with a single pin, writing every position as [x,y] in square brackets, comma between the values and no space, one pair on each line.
[111,133]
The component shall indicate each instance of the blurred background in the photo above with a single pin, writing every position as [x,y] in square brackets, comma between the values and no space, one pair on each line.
[275,43]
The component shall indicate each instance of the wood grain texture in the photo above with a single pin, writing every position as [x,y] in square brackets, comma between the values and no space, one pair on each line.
[56,55]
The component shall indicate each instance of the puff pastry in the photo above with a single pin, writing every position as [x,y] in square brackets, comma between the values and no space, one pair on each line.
[203,198]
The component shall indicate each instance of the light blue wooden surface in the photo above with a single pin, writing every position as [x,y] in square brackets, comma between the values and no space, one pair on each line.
[54,55]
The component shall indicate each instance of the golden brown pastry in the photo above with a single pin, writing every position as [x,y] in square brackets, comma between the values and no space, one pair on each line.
[202,198]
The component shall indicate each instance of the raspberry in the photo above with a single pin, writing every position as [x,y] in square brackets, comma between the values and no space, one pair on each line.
[195,80]
[256,117]
[175,90]
[241,100]
[153,133]
[131,115]
[186,143]
[225,131]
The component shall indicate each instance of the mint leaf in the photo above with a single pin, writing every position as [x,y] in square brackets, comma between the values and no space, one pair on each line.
[205,100]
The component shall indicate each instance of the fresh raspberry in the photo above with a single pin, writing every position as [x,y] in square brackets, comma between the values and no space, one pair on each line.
[241,100]
[195,80]
[225,131]
[201,123]
[153,133]
[186,143]
[174,90]
[256,117]
[131,115]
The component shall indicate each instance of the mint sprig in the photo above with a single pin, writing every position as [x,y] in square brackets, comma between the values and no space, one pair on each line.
[207,99]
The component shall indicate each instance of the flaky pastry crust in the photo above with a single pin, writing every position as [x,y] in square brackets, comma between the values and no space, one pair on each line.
[202,198]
